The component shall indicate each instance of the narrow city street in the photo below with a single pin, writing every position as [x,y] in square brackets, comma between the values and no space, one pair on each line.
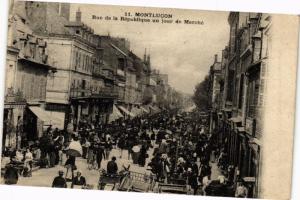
[188,113]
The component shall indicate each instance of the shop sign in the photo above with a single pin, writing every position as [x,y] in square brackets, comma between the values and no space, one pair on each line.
[12,106]
[249,179]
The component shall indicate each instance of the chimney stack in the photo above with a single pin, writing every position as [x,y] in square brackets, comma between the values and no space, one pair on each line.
[145,56]
[78,15]
[216,58]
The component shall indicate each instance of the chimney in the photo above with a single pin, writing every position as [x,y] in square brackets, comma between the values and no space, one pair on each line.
[216,58]
[148,60]
[145,55]
[78,15]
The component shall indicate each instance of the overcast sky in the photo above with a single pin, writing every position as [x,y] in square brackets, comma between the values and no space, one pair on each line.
[184,52]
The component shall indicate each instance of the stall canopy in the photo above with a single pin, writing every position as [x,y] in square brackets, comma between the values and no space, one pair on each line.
[145,110]
[136,111]
[116,114]
[154,109]
[56,119]
[127,112]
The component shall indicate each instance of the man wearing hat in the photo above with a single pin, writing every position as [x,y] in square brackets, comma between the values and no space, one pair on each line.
[59,181]
[78,179]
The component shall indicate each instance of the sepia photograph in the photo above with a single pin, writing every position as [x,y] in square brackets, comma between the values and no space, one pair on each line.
[137,99]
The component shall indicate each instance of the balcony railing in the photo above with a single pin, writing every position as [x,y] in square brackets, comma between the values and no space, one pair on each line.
[106,92]
[103,73]
[79,92]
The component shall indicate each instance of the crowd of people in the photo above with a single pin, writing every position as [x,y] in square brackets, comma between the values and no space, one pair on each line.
[183,151]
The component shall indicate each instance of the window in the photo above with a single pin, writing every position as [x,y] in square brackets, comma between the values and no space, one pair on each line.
[87,63]
[230,85]
[78,32]
[253,94]
[121,63]
[79,60]
[241,93]
[76,60]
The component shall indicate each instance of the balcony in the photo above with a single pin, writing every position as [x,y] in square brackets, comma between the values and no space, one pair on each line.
[79,93]
[103,73]
[106,92]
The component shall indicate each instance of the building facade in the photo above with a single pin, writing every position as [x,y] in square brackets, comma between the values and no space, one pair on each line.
[241,90]
[27,69]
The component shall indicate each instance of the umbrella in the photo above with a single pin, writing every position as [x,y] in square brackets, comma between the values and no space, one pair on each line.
[74,149]
[136,149]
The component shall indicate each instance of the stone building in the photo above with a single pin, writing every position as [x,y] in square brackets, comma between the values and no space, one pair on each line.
[27,68]
[82,89]
[244,71]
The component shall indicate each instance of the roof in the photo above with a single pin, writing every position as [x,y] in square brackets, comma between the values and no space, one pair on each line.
[118,49]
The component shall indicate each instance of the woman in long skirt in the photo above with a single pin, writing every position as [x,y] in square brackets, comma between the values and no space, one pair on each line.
[142,156]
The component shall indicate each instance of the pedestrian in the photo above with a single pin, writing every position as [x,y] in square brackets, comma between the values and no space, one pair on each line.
[108,147]
[112,167]
[205,182]
[241,190]
[11,176]
[91,156]
[142,156]
[99,152]
[192,180]
[59,181]
[79,180]
[85,147]
[121,145]
[27,163]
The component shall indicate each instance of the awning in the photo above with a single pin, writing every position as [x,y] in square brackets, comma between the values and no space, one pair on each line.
[153,109]
[144,109]
[127,112]
[240,129]
[157,109]
[255,141]
[56,119]
[136,111]
[116,114]
[152,82]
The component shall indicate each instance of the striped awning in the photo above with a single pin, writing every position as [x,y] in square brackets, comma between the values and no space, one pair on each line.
[116,114]
[127,112]
[49,118]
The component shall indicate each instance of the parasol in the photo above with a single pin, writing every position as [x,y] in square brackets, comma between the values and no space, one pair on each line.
[74,149]
[136,149]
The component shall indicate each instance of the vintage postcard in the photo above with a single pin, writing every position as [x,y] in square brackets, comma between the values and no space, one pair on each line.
[151,100]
